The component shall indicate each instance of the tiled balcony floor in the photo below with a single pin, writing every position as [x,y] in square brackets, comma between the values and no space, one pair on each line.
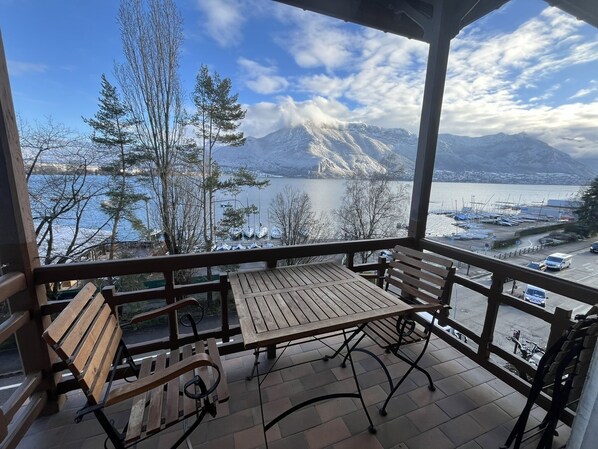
[469,409]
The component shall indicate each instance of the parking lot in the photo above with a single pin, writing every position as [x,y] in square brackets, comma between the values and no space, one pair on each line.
[469,308]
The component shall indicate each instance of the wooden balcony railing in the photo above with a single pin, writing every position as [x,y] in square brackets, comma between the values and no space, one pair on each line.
[480,351]
[15,418]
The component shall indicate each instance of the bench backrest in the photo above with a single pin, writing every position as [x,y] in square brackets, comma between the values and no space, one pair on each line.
[86,335]
[422,277]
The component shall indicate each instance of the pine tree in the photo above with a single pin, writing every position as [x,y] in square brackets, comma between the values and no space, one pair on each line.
[587,213]
[217,118]
[112,132]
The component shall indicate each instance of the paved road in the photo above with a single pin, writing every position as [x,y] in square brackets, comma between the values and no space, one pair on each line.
[469,307]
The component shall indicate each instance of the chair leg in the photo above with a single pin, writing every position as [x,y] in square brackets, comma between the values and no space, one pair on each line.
[187,432]
[115,437]
[413,365]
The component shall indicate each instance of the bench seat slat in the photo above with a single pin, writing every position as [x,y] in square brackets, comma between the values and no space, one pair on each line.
[85,321]
[98,357]
[222,388]
[173,394]
[154,414]
[188,403]
[138,407]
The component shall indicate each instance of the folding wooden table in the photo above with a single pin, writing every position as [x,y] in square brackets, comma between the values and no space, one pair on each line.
[283,304]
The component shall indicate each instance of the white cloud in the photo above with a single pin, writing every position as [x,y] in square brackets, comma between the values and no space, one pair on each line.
[493,80]
[264,118]
[583,92]
[223,20]
[16,68]
[318,41]
[262,79]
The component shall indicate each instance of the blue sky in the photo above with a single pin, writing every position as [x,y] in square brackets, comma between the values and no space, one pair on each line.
[525,68]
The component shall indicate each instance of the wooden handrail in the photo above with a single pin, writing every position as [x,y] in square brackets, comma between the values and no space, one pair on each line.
[20,395]
[13,323]
[93,270]
[580,292]
[23,419]
[11,284]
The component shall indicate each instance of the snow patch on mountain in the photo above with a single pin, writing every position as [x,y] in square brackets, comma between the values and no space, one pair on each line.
[343,150]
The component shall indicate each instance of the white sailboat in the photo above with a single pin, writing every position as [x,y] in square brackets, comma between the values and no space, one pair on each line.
[262,232]
[248,232]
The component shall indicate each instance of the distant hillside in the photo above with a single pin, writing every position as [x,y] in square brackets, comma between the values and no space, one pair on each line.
[340,151]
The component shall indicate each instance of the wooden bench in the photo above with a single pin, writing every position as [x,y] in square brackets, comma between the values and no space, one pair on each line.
[168,388]
[423,280]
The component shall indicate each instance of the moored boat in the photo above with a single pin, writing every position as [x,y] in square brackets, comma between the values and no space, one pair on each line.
[275,233]
[262,232]
[248,232]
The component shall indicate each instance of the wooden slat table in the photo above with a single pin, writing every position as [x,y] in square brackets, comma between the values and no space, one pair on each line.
[283,304]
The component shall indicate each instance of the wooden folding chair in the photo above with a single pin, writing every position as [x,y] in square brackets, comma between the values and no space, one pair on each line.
[168,388]
[561,374]
[423,280]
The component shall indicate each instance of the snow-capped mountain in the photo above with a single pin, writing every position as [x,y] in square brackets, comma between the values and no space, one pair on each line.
[336,151]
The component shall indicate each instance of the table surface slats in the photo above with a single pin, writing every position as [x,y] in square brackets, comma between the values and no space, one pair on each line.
[282,304]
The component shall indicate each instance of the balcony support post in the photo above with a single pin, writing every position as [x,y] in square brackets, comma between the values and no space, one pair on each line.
[491,315]
[18,246]
[439,29]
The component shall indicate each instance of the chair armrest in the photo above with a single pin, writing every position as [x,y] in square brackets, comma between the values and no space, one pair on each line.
[148,383]
[427,307]
[163,310]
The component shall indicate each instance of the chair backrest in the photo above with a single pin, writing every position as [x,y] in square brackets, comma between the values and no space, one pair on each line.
[575,350]
[422,277]
[86,335]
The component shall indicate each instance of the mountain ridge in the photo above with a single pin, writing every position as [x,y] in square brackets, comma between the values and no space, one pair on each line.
[358,149]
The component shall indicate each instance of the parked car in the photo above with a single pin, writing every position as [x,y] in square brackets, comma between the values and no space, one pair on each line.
[535,295]
[537,266]
[558,261]
[594,247]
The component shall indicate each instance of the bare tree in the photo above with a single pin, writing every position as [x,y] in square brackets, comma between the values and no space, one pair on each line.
[42,139]
[371,208]
[58,167]
[152,35]
[291,211]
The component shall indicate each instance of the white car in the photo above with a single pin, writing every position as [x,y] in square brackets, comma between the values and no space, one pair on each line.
[558,261]
[535,295]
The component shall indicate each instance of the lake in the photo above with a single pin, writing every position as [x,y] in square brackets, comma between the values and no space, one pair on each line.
[326,196]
